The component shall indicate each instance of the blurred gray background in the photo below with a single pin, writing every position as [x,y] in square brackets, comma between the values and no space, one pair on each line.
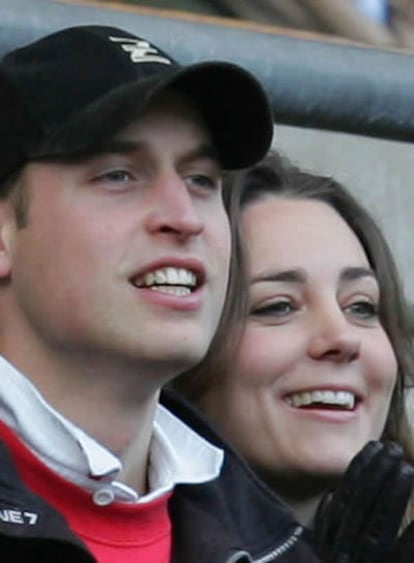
[378,171]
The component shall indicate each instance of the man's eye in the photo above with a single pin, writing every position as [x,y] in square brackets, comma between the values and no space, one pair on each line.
[117,176]
[280,308]
[114,178]
[203,181]
[363,309]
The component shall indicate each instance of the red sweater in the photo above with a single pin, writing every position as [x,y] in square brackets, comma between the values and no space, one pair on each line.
[119,532]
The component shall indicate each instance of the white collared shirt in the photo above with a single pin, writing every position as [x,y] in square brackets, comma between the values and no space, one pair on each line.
[177,453]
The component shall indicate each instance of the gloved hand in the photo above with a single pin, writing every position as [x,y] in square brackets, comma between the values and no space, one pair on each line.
[403,551]
[359,521]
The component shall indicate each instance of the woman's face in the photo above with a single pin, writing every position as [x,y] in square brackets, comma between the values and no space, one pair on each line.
[314,375]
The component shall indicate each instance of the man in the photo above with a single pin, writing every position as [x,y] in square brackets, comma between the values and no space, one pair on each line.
[114,252]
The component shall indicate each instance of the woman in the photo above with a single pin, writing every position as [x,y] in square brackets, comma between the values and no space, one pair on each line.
[320,364]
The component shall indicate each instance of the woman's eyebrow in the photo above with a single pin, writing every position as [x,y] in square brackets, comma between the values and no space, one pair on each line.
[293,276]
[299,276]
[356,273]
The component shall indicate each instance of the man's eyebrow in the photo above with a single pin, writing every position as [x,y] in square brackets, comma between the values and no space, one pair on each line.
[126,146]
[356,273]
[202,151]
[121,146]
[293,276]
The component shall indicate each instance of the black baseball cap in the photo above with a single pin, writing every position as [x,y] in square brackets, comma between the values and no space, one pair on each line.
[72,90]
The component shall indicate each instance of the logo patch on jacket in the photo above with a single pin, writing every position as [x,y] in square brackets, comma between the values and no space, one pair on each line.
[22,517]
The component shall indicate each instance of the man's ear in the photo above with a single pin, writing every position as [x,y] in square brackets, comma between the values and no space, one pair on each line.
[7,231]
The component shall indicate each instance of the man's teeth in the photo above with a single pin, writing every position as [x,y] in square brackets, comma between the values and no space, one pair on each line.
[337,398]
[175,281]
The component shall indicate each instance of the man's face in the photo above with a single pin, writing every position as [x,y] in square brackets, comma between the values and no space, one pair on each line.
[125,255]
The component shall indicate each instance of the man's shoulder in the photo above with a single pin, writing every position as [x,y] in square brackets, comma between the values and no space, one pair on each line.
[187,413]
[31,528]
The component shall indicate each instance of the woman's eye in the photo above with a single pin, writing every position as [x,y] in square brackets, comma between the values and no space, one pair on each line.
[363,309]
[277,309]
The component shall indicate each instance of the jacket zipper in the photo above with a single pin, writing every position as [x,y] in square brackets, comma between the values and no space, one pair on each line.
[281,549]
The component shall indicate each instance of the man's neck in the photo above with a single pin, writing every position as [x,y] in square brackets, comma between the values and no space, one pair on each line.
[113,404]
[119,420]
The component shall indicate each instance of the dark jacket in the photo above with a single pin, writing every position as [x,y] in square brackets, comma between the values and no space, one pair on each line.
[233,519]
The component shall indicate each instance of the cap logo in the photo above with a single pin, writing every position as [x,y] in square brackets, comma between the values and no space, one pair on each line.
[140,51]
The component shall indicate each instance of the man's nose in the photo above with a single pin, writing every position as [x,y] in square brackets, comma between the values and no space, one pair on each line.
[173,209]
[333,337]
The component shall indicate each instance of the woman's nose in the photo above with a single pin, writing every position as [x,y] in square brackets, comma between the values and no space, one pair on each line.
[334,338]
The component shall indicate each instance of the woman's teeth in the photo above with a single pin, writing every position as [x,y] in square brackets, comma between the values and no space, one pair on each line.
[344,399]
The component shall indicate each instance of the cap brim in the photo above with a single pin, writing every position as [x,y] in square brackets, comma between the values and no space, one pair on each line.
[231,100]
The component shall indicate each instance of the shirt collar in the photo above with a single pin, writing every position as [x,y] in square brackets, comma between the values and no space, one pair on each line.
[177,453]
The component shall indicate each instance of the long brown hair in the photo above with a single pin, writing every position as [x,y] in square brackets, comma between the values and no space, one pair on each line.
[275,175]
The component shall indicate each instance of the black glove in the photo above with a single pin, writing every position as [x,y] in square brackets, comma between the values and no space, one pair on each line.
[359,521]
[403,551]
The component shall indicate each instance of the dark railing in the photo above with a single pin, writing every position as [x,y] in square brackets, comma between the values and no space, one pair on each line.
[310,82]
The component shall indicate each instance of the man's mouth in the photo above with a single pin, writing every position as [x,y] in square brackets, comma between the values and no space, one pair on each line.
[322,398]
[174,281]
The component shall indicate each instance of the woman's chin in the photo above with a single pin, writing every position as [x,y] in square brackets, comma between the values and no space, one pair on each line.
[333,465]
